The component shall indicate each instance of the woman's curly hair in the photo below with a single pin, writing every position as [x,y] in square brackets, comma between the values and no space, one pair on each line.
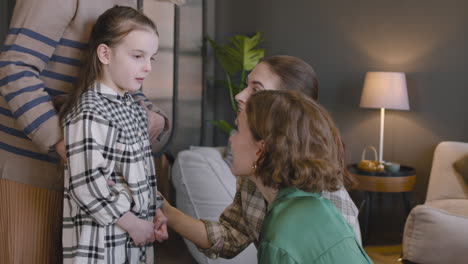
[302,146]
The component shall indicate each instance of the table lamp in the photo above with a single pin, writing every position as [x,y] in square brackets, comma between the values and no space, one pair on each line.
[384,90]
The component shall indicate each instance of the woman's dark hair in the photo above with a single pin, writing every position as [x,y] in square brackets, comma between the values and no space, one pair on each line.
[302,145]
[110,28]
[294,74]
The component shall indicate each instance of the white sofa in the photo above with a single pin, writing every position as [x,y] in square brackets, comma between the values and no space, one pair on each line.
[437,231]
[204,187]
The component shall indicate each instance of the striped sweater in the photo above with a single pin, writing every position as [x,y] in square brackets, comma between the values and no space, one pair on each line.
[41,59]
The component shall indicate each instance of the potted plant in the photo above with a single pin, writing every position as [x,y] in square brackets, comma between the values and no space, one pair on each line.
[237,58]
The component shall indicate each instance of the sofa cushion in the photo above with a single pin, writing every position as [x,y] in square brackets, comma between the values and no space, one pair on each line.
[203,182]
[437,234]
[456,207]
[445,182]
[461,166]
[204,187]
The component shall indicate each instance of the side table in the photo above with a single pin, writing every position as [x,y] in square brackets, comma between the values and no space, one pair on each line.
[383,182]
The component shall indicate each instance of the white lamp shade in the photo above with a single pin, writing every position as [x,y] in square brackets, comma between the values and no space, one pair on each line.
[385,90]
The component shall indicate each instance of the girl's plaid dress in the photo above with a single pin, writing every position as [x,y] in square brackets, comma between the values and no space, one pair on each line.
[106,139]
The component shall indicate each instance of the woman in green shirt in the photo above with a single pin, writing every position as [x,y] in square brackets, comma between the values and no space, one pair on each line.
[292,147]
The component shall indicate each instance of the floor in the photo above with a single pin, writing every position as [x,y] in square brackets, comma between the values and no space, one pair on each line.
[384,254]
[173,251]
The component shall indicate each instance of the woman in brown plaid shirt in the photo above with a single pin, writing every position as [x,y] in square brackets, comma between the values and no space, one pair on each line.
[241,222]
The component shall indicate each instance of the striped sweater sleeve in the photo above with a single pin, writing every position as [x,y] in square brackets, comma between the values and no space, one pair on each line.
[35,31]
[161,140]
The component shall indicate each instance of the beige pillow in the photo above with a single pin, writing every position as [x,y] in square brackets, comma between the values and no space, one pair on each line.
[461,166]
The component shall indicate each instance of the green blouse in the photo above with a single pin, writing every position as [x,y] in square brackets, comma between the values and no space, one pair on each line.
[303,227]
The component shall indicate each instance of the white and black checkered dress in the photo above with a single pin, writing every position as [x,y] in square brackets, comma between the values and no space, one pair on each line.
[106,138]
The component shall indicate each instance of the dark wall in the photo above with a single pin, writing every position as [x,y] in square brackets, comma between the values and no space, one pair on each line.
[6,11]
[344,39]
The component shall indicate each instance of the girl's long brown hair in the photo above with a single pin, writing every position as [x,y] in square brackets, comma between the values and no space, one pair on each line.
[110,28]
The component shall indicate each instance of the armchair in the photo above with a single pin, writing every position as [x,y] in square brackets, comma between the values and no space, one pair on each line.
[437,231]
[204,187]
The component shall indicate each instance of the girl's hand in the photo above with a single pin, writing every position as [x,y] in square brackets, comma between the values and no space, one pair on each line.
[141,231]
[160,226]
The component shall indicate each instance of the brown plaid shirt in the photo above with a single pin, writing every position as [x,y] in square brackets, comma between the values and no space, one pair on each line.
[241,222]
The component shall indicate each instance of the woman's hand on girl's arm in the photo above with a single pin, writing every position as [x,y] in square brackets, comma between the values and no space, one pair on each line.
[186,226]
[141,231]
[160,226]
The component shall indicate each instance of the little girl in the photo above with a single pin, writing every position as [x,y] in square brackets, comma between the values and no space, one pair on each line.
[107,142]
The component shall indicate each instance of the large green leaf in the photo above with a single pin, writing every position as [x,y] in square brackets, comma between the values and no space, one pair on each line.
[241,55]
[223,125]
[229,62]
[244,50]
